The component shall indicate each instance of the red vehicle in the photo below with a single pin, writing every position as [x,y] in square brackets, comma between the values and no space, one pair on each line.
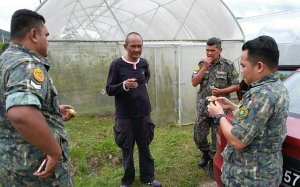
[291,145]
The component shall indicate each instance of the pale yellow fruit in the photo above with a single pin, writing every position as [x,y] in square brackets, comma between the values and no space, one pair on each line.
[72,112]
[212,98]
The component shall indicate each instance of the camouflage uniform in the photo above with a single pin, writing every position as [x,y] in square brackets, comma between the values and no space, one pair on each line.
[25,81]
[221,74]
[259,123]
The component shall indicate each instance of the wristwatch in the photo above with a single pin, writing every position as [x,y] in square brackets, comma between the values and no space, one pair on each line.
[218,117]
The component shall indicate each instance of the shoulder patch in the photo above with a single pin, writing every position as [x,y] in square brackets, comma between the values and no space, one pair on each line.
[234,72]
[39,75]
[197,68]
[242,113]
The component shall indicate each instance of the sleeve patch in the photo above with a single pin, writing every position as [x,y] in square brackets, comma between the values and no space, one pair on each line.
[235,73]
[242,113]
[39,75]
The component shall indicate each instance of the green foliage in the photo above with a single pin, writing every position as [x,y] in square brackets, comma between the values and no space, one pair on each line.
[1,45]
[6,36]
[97,159]
[283,76]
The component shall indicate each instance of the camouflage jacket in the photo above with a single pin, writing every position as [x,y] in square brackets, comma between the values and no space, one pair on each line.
[260,124]
[25,81]
[221,74]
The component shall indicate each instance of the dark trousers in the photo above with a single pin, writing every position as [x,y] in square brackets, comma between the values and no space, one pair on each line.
[127,132]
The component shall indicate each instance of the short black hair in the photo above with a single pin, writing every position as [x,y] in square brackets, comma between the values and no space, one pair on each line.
[214,41]
[22,21]
[264,49]
[131,33]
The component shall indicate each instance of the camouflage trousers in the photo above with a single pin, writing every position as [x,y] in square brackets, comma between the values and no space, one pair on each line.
[203,124]
[60,178]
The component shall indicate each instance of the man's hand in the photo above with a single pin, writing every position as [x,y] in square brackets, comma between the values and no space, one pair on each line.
[47,171]
[64,110]
[215,91]
[214,108]
[226,104]
[131,83]
[206,62]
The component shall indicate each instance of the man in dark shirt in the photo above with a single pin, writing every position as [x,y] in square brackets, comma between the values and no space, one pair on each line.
[127,81]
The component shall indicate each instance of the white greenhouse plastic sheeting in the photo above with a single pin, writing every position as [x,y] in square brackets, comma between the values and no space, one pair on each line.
[166,20]
[283,27]
[86,35]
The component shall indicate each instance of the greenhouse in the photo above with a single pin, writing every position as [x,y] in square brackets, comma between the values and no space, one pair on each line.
[86,35]
[281,26]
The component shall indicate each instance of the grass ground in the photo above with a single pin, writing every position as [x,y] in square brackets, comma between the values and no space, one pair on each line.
[96,158]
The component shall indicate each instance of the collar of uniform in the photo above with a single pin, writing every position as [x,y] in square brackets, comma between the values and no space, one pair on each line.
[220,60]
[269,78]
[36,56]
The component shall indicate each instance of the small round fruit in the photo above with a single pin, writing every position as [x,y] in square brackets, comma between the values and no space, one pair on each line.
[72,112]
[212,98]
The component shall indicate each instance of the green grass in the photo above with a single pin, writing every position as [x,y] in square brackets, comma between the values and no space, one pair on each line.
[96,159]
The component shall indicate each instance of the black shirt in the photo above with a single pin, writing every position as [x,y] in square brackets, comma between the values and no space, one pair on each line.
[133,103]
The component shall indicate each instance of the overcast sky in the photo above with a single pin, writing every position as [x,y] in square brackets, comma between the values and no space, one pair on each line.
[10,6]
[240,8]
[249,8]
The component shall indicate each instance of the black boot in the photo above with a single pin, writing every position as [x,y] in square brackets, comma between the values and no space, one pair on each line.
[204,159]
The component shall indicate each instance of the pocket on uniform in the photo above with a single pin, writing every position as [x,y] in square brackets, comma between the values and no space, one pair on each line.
[205,78]
[61,176]
[221,81]
[63,142]
[120,134]
[150,134]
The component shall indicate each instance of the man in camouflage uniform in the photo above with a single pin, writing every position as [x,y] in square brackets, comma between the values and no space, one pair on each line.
[31,120]
[255,134]
[217,76]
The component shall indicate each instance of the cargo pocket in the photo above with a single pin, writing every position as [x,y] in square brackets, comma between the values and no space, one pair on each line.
[205,79]
[63,142]
[120,133]
[150,134]
[61,176]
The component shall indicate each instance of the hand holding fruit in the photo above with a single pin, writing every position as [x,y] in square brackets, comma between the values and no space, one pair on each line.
[215,91]
[72,112]
[67,112]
